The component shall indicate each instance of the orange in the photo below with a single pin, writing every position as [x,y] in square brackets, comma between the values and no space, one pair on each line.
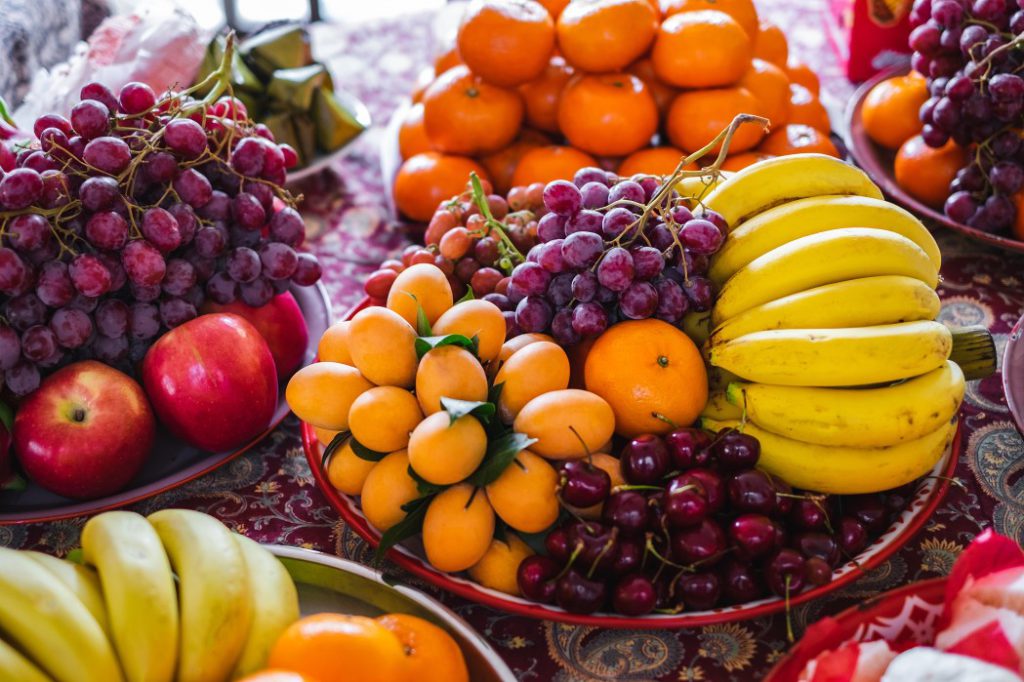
[608,114]
[412,135]
[663,94]
[702,49]
[567,424]
[552,162]
[425,180]
[276,676]
[322,393]
[1018,224]
[652,161]
[797,138]
[736,162]
[506,42]
[541,95]
[458,528]
[805,108]
[432,654]
[554,7]
[697,116]
[605,35]
[330,646]
[649,372]
[742,11]
[925,172]
[463,114]
[501,165]
[890,111]
[446,60]
[800,73]
[770,44]
[770,84]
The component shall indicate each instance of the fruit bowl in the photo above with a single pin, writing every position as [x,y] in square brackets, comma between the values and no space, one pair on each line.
[907,614]
[1013,373]
[172,463]
[878,163]
[328,584]
[409,555]
[322,161]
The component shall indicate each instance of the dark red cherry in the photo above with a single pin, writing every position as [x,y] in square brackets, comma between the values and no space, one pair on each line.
[735,451]
[754,535]
[815,544]
[634,595]
[578,594]
[557,544]
[714,486]
[784,497]
[598,545]
[688,448]
[739,582]
[817,571]
[644,460]
[869,510]
[852,536]
[752,491]
[630,556]
[700,591]
[785,571]
[535,578]
[627,511]
[701,543]
[686,506]
[582,484]
[809,514]
[656,511]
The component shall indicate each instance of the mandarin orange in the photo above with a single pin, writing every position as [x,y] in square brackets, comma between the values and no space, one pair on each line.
[609,114]
[463,114]
[506,42]
[701,49]
[605,35]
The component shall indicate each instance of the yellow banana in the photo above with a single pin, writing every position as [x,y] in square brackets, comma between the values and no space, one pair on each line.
[803,217]
[863,302]
[43,618]
[844,470]
[16,668]
[697,326]
[824,258]
[698,187]
[719,407]
[275,605]
[138,587]
[775,181]
[81,580]
[836,357]
[854,417]
[213,586]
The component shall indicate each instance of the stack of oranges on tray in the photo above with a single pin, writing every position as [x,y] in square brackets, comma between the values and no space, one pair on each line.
[533,91]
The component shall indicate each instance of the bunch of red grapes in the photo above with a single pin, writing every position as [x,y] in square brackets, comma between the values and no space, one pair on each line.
[127,216]
[475,252]
[696,526]
[972,53]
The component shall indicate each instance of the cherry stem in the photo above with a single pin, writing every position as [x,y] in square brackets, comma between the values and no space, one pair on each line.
[590,457]
[604,551]
[789,614]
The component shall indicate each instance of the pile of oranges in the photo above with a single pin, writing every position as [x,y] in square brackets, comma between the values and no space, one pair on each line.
[395,647]
[532,91]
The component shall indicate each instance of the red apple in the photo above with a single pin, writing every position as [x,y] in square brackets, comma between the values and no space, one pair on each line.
[212,381]
[85,432]
[281,324]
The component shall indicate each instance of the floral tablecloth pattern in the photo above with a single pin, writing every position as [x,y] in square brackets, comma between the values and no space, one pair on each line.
[269,493]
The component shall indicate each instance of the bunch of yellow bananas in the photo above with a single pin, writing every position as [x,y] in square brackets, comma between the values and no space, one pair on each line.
[825,328]
[175,596]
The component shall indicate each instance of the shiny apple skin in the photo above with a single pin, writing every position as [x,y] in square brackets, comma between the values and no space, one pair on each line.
[85,432]
[281,324]
[212,382]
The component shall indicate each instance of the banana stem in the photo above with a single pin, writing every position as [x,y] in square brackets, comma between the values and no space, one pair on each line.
[974,350]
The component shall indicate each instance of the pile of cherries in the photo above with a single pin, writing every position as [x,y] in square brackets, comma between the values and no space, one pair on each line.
[696,526]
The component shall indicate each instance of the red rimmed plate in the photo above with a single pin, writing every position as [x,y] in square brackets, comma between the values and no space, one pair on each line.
[877,162]
[906,615]
[1013,373]
[409,555]
[172,463]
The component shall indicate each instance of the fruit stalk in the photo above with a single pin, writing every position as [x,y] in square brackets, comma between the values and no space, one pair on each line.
[974,350]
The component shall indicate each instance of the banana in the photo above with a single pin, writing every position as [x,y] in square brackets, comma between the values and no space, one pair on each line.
[844,470]
[81,580]
[863,418]
[824,258]
[697,325]
[698,187]
[42,617]
[275,605]
[138,587]
[775,181]
[719,407]
[863,302]
[836,357]
[213,592]
[803,217]
[16,668]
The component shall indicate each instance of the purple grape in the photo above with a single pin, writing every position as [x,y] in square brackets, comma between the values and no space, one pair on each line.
[136,98]
[589,319]
[616,221]
[56,189]
[24,311]
[161,229]
[562,197]
[112,318]
[108,154]
[660,236]
[971,36]
[53,286]
[615,270]
[38,343]
[28,231]
[279,260]
[90,118]
[584,286]
[700,292]
[20,188]
[638,301]
[185,137]
[99,193]
[1006,177]
[960,206]
[308,271]
[211,241]
[107,230]
[10,347]
[71,327]
[629,191]
[647,262]
[221,288]
[257,293]
[287,227]
[531,278]
[582,249]
[243,265]
[249,156]
[176,311]
[247,211]
[584,221]
[533,314]
[550,227]
[562,329]
[594,195]
[179,277]
[143,321]
[110,350]
[672,302]
[89,275]
[193,187]
[143,263]
[588,175]
[550,256]
[218,208]
[23,378]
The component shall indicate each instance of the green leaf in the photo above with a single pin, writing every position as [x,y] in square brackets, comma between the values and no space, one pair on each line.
[5,113]
[500,453]
[495,392]
[468,296]
[422,323]
[333,446]
[411,525]
[423,486]
[363,452]
[457,409]
[424,344]
[76,556]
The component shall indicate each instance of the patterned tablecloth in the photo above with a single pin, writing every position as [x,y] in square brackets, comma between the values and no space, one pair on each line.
[269,493]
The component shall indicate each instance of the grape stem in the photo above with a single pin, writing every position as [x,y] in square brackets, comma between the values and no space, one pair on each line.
[505,245]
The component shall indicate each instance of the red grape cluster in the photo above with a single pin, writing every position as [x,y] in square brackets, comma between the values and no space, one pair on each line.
[474,250]
[127,216]
[611,249]
[972,53]
[696,526]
